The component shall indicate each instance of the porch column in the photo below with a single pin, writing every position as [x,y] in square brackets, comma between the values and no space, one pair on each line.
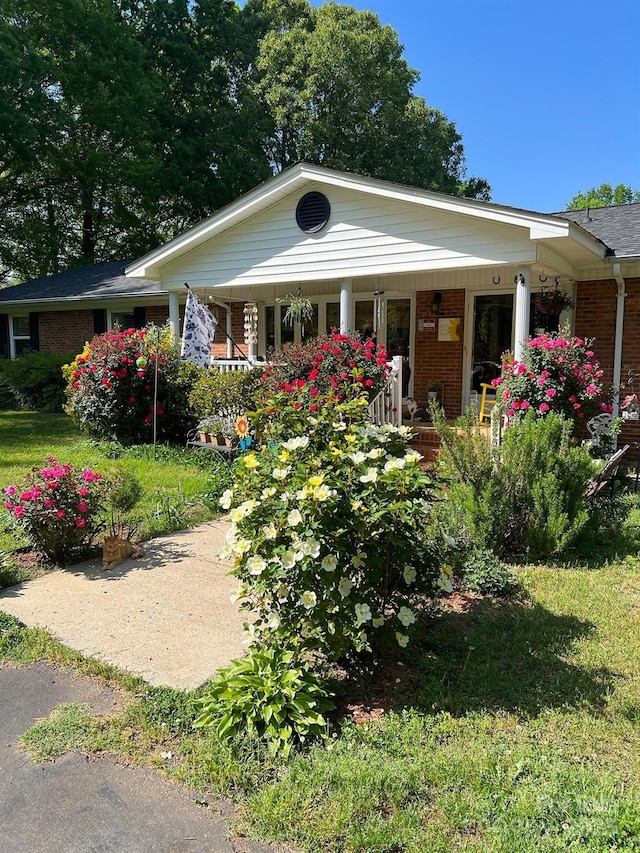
[346,320]
[174,316]
[523,299]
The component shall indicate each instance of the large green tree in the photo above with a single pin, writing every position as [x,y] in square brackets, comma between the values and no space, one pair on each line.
[605,195]
[335,90]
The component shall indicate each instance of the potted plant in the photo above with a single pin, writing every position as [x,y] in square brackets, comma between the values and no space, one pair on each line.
[434,386]
[630,408]
[552,301]
[299,308]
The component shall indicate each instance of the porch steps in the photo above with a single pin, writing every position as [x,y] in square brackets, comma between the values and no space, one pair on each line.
[427,442]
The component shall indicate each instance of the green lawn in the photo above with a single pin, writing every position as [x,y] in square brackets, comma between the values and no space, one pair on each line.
[173,484]
[509,726]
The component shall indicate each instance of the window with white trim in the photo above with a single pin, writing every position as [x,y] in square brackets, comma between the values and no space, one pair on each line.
[20,337]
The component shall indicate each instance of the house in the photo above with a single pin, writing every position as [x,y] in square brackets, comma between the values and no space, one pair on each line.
[448,283]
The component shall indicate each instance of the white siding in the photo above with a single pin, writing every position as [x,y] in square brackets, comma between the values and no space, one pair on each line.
[366,236]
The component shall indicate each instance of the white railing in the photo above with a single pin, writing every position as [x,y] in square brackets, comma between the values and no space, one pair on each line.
[386,408]
[226,364]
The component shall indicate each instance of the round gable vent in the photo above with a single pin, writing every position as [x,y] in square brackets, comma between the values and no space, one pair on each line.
[312,212]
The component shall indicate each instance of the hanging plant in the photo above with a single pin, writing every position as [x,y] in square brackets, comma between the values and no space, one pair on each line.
[299,308]
[552,300]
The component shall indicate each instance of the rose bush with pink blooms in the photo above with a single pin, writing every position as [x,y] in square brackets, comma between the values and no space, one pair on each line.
[57,507]
[557,373]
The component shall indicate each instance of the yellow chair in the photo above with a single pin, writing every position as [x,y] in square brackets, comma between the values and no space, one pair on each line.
[489,395]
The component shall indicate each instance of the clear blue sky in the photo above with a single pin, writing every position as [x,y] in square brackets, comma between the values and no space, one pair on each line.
[546,93]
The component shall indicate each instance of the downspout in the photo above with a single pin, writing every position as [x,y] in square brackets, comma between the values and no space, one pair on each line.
[617,352]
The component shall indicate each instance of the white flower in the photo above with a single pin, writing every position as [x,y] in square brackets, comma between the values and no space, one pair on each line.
[297,443]
[294,518]
[268,492]
[256,565]
[288,560]
[370,477]
[402,639]
[394,464]
[241,546]
[225,500]
[344,587]
[237,593]
[249,634]
[281,473]
[357,458]
[378,622]
[376,453]
[237,514]
[329,563]
[303,493]
[321,493]
[339,425]
[409,574]
[308,599]
[269,530]
[404,431]
[273,621]
[358,561]
[448,541]
[413,456]
[363,613]
[311,548]
[406,616]
[225,553]
[444,582]
[284,497]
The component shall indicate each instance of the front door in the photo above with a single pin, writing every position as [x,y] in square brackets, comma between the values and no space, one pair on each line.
[492,336]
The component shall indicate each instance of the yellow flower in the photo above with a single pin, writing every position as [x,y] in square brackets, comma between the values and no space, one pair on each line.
[350,438]
[316,480]
[250,460]
[284,456]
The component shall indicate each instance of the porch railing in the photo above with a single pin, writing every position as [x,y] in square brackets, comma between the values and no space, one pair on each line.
[385,408]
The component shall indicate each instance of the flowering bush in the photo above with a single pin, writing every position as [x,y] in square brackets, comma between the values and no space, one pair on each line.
[57,507]
[557,374]
[330,364]
[327,519]
[110,386]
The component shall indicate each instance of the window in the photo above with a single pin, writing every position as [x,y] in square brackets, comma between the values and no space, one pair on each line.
[20,337]
[122,319]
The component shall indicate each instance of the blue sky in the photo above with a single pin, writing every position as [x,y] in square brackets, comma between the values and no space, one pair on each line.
[546,93]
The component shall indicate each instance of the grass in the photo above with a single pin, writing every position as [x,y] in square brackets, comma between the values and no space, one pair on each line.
[514,725]
[180,487]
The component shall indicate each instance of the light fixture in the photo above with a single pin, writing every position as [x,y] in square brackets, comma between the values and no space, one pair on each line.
[435,305]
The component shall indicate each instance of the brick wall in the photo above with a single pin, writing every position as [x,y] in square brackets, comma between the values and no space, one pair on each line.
[440,360]
[219,348]
[65,331]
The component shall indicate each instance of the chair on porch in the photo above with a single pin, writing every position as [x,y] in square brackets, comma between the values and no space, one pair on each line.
[488,397]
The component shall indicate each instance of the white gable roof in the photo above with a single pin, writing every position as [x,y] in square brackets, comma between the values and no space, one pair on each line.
[375,227]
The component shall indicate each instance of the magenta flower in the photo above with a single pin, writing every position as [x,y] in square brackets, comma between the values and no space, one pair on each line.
[543,407]
[8,505]
[18,511]
[551,392]
[82,506]
[49,504]
[80,522]
[60,513]
[591,389]
[10,491]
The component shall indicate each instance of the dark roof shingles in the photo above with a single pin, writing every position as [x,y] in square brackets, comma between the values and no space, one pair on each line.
[617,227]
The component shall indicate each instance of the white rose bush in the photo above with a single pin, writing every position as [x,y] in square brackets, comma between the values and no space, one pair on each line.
[328,517]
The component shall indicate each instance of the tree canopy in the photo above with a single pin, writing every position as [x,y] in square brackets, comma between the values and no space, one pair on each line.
[122,122]
[604,196]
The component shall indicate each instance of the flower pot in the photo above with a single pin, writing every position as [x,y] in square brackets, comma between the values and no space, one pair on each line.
[203,436]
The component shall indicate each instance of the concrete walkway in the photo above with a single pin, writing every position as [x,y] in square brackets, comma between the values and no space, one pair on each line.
[166,616]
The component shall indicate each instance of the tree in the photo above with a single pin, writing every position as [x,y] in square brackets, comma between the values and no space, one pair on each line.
[604,196]
[336,91]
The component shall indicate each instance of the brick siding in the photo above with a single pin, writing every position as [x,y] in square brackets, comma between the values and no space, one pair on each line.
[440,360]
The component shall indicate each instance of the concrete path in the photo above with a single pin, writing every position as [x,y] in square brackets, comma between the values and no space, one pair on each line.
[81,805]
[166,616]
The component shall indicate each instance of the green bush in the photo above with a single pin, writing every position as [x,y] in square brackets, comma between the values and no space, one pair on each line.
[35,380]
[216,392]
[524,498]
[270,695]
[110,390]
[481,571]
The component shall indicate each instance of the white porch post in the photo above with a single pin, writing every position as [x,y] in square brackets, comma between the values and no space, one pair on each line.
[523,298]
[174,316]
[346,320]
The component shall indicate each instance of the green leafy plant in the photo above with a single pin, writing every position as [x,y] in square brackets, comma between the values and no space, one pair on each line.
[271,694]
[299,308]
[216,392]
[481,571]
[526,497]
[35,380]
[58,508]
[124,493]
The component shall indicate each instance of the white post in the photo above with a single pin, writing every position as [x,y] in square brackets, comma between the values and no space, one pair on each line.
[228,321]
[174,316]
[346,321]
[523,298]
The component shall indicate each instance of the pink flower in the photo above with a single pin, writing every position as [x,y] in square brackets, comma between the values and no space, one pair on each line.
[576,406]
[551,392]
[82,506]
[60,513]
[8,505]
[591,389]
[83,491]
[10,491]
[26,496]
[79,522]
[543,407]
[18,511]
[525,404]
[49,504]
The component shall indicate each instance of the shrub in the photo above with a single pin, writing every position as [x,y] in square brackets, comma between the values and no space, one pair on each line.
[328,515]
[35,381]
[526,497]
[557,374]
[271,695]
[58,508]
[330,364]
[110,388]
[483,572]
[216,392]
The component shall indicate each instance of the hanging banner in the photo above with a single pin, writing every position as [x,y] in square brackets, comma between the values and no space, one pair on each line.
[198,332]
